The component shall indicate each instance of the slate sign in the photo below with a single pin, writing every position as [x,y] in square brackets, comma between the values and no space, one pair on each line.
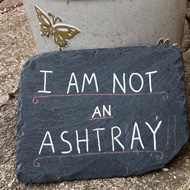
[100,113]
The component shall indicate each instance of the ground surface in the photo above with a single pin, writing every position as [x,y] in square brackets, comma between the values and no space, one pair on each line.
[16,47]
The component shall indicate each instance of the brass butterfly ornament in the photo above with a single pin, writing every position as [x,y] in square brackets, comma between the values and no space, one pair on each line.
[61,32]
[161,41]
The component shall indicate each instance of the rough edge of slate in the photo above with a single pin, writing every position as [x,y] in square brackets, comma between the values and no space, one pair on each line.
[19,131]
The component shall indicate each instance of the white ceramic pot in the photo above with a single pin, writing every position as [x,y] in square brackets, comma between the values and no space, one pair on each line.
[105,23]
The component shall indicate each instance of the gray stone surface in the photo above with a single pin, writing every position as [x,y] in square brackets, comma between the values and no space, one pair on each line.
[161,104]
[8,4]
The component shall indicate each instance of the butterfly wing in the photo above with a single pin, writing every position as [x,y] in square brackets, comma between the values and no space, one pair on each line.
[63,33]
[167,42]
[160,42]
[45,23]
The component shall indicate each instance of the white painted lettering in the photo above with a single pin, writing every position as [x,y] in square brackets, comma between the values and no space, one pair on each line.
[136,128]
[116,138]
[45,81]
[96,111]
[98,137]
[73,77]
[66,141]
[123,88]
[154,132]
[105,110]
[82,140]
[150,78]
[89,81]
[130,82]
[47,144]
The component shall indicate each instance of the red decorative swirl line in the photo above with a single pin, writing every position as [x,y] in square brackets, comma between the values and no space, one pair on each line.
[165,96]
[159,156]
[100,118]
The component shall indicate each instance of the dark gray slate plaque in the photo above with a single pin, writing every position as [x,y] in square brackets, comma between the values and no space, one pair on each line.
[100,113]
